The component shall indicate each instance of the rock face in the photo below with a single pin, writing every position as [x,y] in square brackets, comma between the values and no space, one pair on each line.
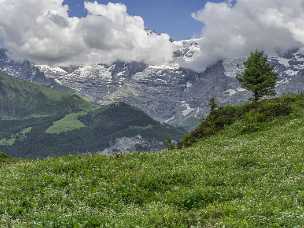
[169,93]
[136,143]
[26,71]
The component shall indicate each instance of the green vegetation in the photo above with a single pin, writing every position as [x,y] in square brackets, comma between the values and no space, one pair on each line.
[213,104]
[259,76]
[235,177]
[3,157]
[13,138]
[21,99]
[69,123]
[60,122]
[251,115]
[81,132]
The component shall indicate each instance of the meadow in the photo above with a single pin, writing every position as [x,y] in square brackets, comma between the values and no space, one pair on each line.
[234,178]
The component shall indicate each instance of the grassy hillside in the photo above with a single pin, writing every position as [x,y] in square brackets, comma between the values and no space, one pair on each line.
[22,99]
[245,175]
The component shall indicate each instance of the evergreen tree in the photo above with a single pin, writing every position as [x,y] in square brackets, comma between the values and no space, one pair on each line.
[259,76]
[213,104]
[169,144]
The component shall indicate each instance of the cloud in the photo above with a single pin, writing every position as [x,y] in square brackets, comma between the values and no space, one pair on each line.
[234,29]
[42,31]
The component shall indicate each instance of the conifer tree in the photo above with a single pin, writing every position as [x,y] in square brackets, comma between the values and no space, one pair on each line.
[213,104]
[259,76]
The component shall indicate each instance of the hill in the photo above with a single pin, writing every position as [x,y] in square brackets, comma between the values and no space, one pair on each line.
[21,99]
[37,121]
[109,129]
[244,175]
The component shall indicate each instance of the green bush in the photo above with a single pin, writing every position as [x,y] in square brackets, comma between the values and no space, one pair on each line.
[3,157]
[216,121]
[251,114]
[274,108]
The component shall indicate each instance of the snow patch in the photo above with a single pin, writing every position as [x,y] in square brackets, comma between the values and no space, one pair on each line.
[51,71]
[188,109]
[283,61]
[174,66]
[169,120]
[189,85]
[241,90]
[57,81]
[230,92]
[291,72]
[233,67]
[283,81]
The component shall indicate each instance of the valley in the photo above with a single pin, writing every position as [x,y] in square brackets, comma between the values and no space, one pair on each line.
[38,121]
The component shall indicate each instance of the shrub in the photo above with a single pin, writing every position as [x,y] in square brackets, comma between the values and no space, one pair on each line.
[252,115]
[216,121]
[3,157]
[169,143]
[275,108]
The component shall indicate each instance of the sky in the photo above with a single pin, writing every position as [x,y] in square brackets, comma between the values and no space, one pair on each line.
[168,16]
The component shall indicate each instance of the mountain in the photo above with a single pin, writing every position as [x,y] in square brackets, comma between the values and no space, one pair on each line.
[26,70]
[231,179]
[169,93]
[21,99]
[37,121]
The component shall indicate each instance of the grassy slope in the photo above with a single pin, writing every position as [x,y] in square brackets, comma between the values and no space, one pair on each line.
[22,99]
[240,180]
[69,123]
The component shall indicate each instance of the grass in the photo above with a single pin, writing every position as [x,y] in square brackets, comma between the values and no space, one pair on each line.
[22,99]
[69,123]
[231,179]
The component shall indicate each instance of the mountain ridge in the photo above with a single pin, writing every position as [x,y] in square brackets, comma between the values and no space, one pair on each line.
[38,121]
[170,93]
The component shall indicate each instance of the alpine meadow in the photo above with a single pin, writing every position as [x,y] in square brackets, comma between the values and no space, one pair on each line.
[151,113]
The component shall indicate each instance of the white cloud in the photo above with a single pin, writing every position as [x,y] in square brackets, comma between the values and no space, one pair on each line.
[42,31]
[234,31]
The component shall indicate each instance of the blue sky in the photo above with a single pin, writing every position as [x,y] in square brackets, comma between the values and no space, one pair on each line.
[169,16]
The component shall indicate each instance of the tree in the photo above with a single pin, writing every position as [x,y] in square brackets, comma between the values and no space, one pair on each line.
[213,104]
[169,143]
[259,76]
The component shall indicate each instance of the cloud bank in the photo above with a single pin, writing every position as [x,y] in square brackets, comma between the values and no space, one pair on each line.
[234,30]
[42,31]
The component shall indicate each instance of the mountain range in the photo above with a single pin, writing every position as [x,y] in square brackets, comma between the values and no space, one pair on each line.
[38,121]
[168,93]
